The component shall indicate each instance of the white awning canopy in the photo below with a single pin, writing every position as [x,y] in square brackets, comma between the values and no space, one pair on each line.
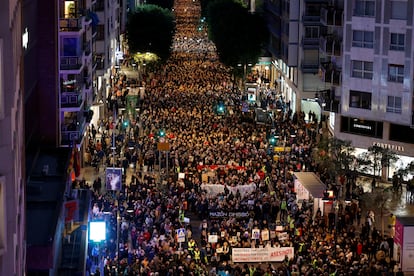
[311,182]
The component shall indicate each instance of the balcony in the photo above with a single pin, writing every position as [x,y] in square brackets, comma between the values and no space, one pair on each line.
[71,132]
[70,99]
[311,19]
[331,73]
[333,47]
[310,67]
[70,63]
[332,106]
[335,17]
[70,24]
[311,42]
[333,77]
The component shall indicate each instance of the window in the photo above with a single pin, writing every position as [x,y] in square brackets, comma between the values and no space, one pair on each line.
[398,10]
[394,104]
[69,46]
[364,8]
[396,73]
[312,32]
[397,42]
[362,69]
[363,39]
[100,32]
[359,99]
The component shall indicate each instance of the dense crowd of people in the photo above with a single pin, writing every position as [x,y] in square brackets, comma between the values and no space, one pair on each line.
[205,147]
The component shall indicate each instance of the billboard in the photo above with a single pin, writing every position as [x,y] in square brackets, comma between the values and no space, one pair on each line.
[113,179]
[97,231]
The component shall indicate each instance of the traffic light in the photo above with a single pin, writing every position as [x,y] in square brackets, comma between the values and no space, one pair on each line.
[272,140]
[161,133]
[125,123]
[221,109]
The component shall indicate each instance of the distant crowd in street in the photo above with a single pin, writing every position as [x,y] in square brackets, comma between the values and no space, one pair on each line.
[180,100]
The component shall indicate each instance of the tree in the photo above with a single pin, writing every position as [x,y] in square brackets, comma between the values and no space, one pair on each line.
[239,36]
[166,4]
[336,155]
[151,28]
[380,158]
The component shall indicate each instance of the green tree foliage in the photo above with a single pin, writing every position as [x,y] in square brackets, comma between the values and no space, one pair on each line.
[166,4]
[239,36]
[378,158]
[336,155]
[151,29]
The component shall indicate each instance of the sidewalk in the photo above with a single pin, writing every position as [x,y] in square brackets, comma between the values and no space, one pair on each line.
[383,201]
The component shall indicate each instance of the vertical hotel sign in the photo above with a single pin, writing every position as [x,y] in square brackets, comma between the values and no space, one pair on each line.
[113,179]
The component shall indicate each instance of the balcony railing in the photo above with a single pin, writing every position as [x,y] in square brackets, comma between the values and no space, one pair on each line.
[70,24]
[70,99]
[70,134]
[310,67]
[70,63]
[311,42]
[311,19]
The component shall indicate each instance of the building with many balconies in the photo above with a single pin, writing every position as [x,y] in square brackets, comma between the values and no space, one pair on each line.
[377,89]
[12,165]
[76,71]
[306,47]
[61,96]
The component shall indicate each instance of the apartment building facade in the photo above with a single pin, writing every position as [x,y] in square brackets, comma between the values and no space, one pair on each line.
[306,47]
[108,52]
[12,181]
[377,89]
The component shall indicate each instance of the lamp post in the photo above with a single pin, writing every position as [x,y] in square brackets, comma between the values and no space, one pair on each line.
[336,206]
[118,229]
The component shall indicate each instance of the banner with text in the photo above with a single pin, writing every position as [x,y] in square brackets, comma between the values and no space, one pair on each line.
[267,254]
[215,189]
[226,215]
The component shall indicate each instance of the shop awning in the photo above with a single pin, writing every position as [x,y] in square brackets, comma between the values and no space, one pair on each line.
[311,182]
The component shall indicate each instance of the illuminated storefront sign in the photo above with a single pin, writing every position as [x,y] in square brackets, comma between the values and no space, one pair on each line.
[388,146]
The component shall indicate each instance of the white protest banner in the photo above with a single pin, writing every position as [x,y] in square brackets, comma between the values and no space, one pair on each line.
[215,189]
[267,254]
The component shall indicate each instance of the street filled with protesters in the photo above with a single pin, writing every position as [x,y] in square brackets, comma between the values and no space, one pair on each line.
[220,171]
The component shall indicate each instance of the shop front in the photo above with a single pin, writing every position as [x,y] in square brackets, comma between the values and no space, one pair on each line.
[403,249]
